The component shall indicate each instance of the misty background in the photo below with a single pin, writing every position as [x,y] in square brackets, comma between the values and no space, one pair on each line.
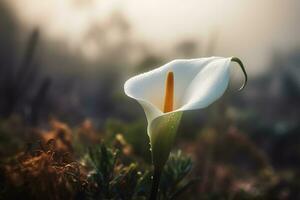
[82,51]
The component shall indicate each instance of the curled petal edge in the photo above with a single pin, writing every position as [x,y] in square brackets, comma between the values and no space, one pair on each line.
[240,63]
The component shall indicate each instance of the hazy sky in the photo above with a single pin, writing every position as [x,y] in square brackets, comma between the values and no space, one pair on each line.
[249,29]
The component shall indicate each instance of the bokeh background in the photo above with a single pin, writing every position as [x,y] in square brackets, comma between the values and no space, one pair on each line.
[68,60]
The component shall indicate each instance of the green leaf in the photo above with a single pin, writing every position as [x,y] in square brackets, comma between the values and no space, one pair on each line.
[162,133]
[103,160]
[176,169]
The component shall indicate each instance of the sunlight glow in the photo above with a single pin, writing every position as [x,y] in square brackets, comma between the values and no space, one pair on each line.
[65,20]
[231,24]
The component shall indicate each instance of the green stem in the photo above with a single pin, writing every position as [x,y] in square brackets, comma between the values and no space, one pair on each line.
[155,183]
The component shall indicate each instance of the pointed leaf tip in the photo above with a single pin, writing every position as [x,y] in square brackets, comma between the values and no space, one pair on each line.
[238,61]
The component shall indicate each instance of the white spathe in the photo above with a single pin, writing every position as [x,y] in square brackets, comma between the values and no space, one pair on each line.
[197,83]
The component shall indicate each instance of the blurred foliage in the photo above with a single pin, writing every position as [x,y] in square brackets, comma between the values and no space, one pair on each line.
[135,133]
[42,173]
[83,163]
[76,163]
[13,134]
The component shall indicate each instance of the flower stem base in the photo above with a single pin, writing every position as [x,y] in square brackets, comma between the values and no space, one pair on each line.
[155,183]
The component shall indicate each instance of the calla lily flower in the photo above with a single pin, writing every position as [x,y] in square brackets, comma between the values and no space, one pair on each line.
[180,85]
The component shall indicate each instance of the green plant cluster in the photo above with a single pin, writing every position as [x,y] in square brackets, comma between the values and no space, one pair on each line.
[112,180]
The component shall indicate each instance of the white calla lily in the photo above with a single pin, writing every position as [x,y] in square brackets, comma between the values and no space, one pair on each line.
[196,84]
